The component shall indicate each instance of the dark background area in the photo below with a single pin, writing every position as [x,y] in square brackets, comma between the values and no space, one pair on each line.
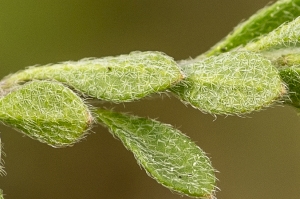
[258,156]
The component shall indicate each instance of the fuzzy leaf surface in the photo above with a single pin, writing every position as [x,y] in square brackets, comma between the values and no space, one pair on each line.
[230,83]
[47,111]
[115,79]
[166,154]
[2,172]
[291,77]
[285,36]
[263,22]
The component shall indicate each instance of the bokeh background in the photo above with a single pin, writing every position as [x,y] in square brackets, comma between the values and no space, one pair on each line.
[257,156]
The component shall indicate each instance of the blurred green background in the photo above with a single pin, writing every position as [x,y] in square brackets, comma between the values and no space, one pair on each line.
[258,156]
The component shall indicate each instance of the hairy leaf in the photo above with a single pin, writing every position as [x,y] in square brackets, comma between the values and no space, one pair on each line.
[47,111]
[263,22]
[164,152]
[115,79]
[2,172]
[291,76]
[231,83]
[285,36]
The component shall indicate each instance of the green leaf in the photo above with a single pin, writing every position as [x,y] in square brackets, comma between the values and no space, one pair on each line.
[2,172]
[284,37]
[47,111]
[289,67]
[1,194]
[231,83]
[291,77]
[115,79]
[165,153]
[264,21]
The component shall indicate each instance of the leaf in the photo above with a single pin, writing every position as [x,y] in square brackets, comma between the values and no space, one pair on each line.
[231,83]
[263,22]
[291,77]
[115,79]
[47,111]
[285,36]
[165,153]
[1,194]
[2,172]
